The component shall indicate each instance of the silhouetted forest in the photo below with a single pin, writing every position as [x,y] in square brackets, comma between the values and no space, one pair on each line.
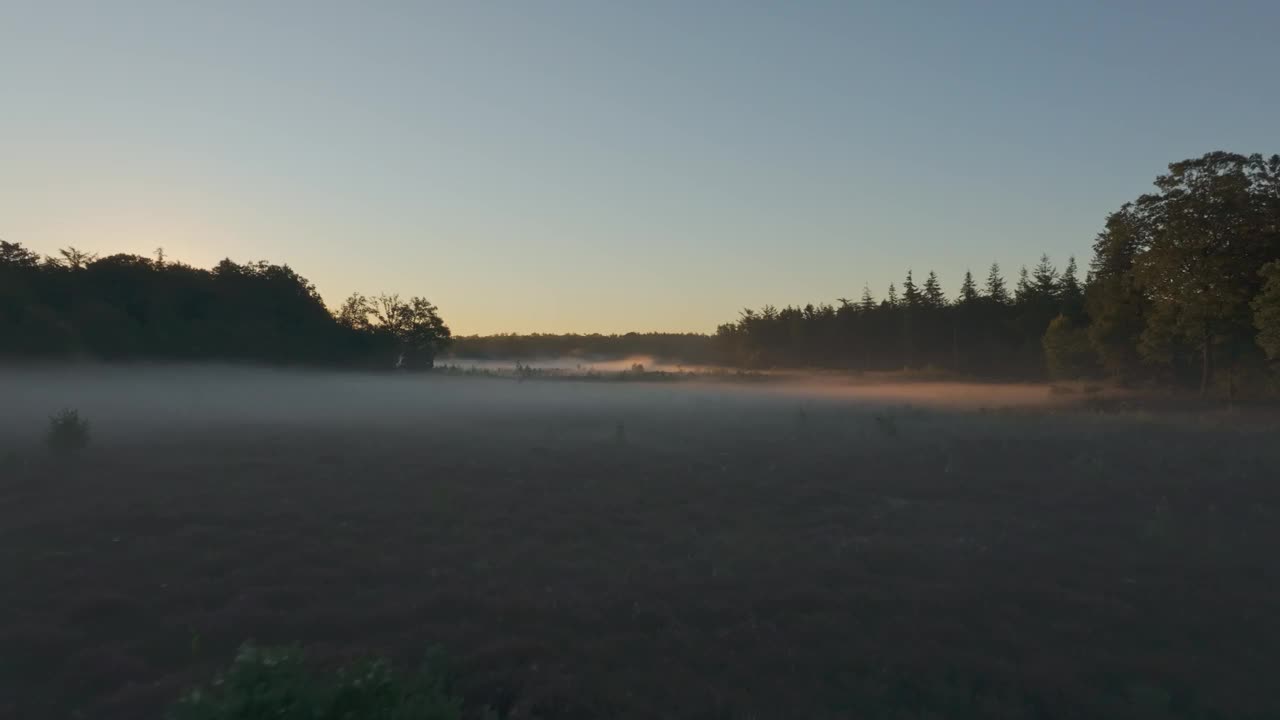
[1183,288]
[129,307]
[989,328]
[685,348]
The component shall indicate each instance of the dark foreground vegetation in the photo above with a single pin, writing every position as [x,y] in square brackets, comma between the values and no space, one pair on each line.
[582,550]
[278,684]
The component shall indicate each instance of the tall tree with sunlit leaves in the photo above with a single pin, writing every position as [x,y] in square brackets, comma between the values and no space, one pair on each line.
[1115,304]
[1266,311]
[1209,228]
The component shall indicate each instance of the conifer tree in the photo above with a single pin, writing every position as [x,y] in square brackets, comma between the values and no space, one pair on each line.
[996,289]
[968,291]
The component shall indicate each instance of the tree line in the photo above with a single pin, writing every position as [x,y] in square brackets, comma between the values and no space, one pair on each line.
[1183,287]
[129,307]
[989,328]
[687,348]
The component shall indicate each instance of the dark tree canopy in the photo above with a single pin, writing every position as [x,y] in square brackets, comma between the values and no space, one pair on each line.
[1204,236]
[910,292]
[129,307]
[933,296]
[996,289]
[1266,311]
[1183,285]
[968,290]
[977,334]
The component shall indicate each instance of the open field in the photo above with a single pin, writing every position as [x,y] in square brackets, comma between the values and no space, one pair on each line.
[639,550]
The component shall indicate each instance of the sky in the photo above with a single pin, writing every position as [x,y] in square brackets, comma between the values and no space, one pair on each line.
[610,166]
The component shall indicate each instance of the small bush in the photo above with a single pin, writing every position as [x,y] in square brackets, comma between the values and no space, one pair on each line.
[68,433]
[1067,350]
[276,683]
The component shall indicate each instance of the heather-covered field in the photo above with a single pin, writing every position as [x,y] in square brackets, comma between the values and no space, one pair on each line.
[638,550]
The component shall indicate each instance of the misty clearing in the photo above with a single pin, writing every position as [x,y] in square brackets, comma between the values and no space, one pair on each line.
[792,548]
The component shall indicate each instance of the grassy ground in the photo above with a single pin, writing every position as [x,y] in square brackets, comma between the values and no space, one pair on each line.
[780,559]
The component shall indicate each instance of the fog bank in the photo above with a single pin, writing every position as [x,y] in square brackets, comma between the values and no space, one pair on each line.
[121,400]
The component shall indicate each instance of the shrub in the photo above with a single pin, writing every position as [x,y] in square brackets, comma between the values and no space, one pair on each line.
[1067,351]
[277,683]
[68,433]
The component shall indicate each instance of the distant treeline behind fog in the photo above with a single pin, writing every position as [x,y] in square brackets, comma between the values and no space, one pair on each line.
[1182,289]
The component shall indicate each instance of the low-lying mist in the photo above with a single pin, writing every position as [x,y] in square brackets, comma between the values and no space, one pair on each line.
[595,523]
[579,364]
[123,400]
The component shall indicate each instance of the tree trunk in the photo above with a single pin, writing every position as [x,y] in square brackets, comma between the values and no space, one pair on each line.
[1206,366]
[907,345]
[1231,384]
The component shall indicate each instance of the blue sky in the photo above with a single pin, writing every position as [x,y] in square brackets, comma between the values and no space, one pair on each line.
[609,166]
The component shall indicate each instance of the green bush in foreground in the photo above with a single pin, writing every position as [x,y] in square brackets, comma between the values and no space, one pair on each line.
[276,683]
